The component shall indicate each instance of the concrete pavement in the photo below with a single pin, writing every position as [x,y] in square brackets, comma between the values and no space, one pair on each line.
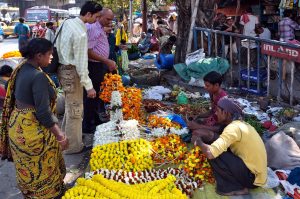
[76,166]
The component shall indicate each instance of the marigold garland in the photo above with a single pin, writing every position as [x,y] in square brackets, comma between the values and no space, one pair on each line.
[111,82]
[155,121]
[129,155]
[131,97]
[132,102]
[100,187]
[169,149]
[197,166]
[183,181]
[14,53]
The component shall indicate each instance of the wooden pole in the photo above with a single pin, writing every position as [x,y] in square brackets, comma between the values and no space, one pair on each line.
[144,15]
[195,11]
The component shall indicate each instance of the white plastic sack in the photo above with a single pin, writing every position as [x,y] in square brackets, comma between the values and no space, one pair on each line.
[272,180]
[196,82]
[282,152]
[194,56]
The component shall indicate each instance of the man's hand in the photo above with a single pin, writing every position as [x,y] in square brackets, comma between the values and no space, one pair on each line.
[192,125]
[111,65]
[91,93]
[204,148]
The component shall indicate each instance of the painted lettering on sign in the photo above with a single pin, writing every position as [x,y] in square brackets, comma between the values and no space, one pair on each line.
[283,52]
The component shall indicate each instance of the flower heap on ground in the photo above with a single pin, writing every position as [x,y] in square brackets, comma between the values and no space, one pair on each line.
[128,155]
[14,53]
[114,131]
[168,149]
[131,97]
[100,187]
[183,181]
[155,121]
[197,166]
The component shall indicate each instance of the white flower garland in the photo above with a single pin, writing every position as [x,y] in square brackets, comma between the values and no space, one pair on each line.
[115,131]
[160,132]
[116,113]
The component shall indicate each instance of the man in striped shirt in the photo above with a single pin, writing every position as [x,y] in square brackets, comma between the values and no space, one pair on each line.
[72,48]
[99,64]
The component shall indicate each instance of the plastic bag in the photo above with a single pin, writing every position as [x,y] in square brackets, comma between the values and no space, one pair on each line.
[182,98]
[196,82]
[272,180]
[194,56]
[178,119]
[125,60]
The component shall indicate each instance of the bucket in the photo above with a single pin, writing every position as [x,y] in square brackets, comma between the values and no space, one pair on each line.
[166,61]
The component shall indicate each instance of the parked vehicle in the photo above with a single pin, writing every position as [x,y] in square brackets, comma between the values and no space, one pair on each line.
[8,29]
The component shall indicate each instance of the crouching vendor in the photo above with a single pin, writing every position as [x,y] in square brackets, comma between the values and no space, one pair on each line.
[237,156]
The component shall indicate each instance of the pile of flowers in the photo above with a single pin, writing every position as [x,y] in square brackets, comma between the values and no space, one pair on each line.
[197,166]
[160,132]
[14,53]
[99,187]
[114,131]
[168,149]
[183,182]
[155,121]
[131,97]
[111,82]
[129,155]
[132,102]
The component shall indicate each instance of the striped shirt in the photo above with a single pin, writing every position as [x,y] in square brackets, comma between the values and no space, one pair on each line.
[97,40]
[72,49]
[286,29]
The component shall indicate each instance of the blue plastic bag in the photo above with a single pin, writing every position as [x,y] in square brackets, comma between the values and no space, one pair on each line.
[178,119]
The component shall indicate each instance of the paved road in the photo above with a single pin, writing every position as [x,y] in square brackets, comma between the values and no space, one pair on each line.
[8,44]
[76,166]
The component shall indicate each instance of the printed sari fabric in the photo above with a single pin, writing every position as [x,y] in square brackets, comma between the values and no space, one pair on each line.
[34,149]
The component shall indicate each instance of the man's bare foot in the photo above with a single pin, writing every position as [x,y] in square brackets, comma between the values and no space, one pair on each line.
[244,191]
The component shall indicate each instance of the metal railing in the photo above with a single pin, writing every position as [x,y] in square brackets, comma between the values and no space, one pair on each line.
[211,35]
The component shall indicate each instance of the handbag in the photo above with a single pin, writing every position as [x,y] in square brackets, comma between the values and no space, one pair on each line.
[52,68]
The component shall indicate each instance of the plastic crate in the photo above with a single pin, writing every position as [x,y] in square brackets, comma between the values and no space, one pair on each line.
[253,90]
[253,75]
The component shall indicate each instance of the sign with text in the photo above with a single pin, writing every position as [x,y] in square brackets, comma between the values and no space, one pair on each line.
[279,51]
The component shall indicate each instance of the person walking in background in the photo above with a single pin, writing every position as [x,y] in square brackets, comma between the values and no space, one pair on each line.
[287,27]
[72,48]
[162,32]
[173,22]
[112,42]
[50,33]
[23,33]
[230,27]
[249,21]
[30,134]
[99,64]
[263,32]
[121,35]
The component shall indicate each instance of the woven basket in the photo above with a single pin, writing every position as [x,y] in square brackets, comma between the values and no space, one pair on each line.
[145,76]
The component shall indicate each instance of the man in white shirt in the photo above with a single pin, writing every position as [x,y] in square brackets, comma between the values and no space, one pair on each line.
[50,34]
[249,21]
[263,33]
[72,48]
